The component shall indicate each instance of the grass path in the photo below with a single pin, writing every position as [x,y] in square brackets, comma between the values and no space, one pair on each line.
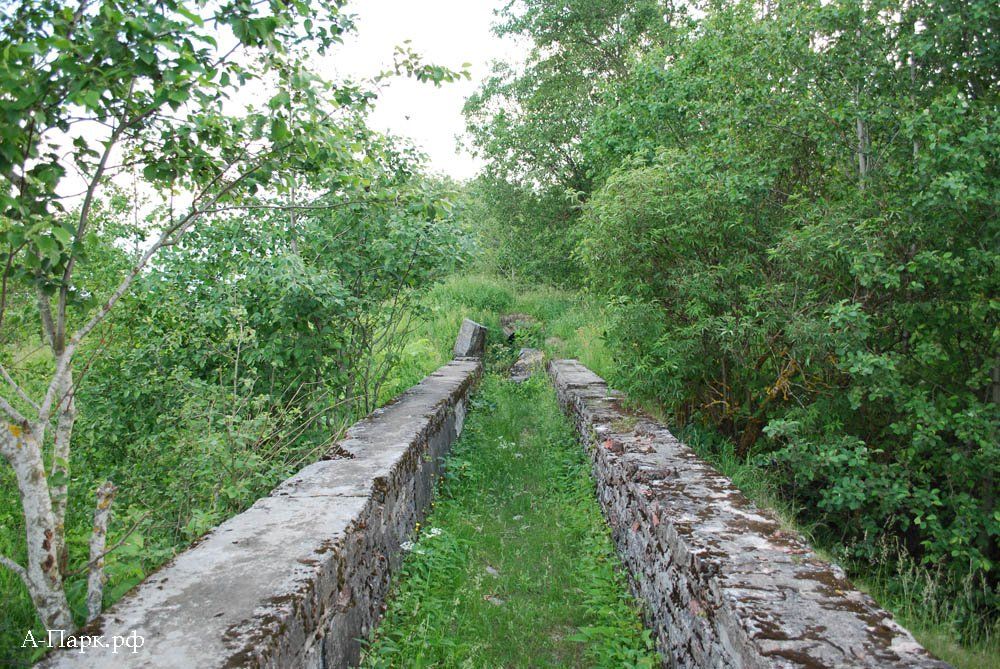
[571,325]
[514,566]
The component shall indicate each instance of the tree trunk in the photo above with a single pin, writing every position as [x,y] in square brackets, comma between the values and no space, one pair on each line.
[59,491]
[98,539]
[862,132]
[21,446]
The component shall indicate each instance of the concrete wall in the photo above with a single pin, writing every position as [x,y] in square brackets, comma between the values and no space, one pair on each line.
[299,577]
[724,584]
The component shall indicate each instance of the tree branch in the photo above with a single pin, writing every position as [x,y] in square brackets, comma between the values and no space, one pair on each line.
[6,276]
[81,226]
[17,389]
[11,412]
[16,568]
[45,312]
[98,537]
[281,207]
[118,544]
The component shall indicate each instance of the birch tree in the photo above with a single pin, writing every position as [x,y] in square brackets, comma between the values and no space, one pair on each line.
[103,87]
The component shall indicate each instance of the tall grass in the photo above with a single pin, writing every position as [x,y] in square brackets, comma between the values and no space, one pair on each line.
[515,566]
[571,325]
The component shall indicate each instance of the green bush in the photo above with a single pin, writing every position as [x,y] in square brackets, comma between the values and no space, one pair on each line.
[524,233]
[236,360]
[839,325]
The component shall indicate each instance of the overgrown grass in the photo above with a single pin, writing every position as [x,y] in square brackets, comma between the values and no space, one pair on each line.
[571,326]
[515,566]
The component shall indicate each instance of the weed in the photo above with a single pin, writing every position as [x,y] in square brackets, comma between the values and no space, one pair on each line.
[518,568]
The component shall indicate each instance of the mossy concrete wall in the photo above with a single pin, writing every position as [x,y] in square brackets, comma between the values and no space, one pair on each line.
[300,577]
[724,585]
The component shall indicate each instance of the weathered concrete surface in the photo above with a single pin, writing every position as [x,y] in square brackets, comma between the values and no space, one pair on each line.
[471,340]
[725,586]
[298,578]
[529,360]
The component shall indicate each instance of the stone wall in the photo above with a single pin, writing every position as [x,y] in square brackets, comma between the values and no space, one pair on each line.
[300,577]
[724,584]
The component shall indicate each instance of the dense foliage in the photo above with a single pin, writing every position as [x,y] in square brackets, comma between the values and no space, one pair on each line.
[528,120]
[792,210]
[197,295]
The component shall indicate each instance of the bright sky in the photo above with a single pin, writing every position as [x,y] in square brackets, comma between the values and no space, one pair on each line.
[445,32]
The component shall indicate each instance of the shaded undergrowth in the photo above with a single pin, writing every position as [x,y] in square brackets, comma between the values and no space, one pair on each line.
[514,566]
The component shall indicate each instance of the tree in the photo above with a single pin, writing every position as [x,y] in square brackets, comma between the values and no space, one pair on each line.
[791,210]
[109,88]
[528,120]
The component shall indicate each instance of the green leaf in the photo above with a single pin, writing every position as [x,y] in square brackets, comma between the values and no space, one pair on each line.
[62,235]
[90,98]
[194,18]
[48,248]
[279,130]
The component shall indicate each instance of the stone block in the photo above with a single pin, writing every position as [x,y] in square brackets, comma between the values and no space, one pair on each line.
[471,340]
[528,361]
[299,578]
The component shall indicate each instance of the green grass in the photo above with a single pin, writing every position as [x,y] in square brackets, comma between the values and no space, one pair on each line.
[917,596]
[572,326]
[514,566]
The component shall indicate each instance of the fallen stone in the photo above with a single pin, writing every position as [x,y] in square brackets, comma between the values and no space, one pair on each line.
[471,340]
[528,361]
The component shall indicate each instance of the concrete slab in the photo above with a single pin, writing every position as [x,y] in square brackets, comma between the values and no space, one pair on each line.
[300,577]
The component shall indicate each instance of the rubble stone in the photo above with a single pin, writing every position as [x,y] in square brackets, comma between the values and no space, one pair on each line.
[471,340]
[723,583]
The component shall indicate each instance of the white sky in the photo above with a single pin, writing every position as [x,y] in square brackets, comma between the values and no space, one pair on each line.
[445,32]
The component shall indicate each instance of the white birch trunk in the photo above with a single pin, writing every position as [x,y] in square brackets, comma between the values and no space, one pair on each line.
[98,540]
[21,446]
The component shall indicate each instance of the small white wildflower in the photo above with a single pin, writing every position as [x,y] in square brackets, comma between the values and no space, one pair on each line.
[406,545]
[434,532]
